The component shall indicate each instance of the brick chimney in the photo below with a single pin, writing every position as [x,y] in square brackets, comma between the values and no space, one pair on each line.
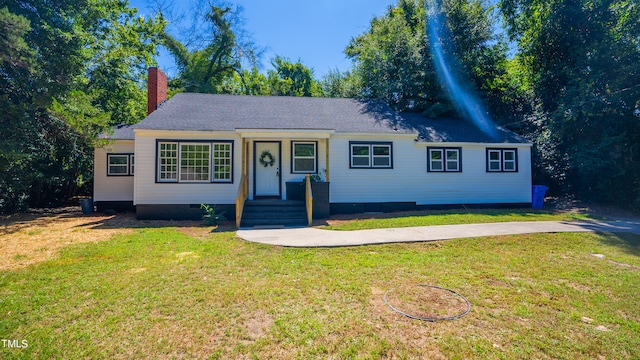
[157,89]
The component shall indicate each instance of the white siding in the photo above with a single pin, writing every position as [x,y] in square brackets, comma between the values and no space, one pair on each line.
[148,191]
[409,180]
[111,188]
[285,162]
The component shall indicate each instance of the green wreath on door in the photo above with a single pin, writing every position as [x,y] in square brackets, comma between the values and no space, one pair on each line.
[267,159]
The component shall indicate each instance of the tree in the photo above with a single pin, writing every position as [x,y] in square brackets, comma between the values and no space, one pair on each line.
[339,84]
[123,46]
[391,58]
[581,63]
[32,72]
[247,83]
[395,63]
[55,74]
[292,79]
[206,68]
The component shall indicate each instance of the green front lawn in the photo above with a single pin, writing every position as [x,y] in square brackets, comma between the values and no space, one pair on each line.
[160,293]
[453,217]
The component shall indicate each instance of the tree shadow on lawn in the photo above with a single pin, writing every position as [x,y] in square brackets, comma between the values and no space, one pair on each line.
[628,242]
[38,235]
[14,223]
[127,220]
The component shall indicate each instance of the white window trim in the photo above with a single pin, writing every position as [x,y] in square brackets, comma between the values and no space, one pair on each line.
[490,161]
[505,161]
[159,172]
[128,165]
[432,161]
[294,157]
[501,161]
[180,173]
[351,156]
[374,156]
[213,165]
[444,163]
[371,156]
[211,175]
[446,160]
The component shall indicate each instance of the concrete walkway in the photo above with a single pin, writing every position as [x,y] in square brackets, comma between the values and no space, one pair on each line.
[312,237]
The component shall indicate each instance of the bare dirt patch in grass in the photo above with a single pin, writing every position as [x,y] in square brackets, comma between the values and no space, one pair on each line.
[258,324]
[33,237]
[426,302]
[418,339]
[37,236]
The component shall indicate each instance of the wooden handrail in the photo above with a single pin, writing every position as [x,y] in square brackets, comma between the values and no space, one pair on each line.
[241,197]
[309,200]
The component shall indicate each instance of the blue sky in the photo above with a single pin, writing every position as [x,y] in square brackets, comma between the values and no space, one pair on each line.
[314,31]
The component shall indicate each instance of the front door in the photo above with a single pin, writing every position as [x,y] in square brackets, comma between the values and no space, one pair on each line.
[267,168]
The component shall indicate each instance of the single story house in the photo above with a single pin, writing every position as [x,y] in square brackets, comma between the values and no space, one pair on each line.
[207,149]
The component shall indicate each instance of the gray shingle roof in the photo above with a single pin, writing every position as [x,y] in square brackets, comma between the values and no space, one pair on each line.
[120,132]
[207,112]
[456,130]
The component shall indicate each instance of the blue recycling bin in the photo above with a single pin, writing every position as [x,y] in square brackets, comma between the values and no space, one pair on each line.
[537,196]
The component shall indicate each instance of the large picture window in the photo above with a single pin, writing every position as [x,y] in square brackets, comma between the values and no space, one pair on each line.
[119,164]
[304,159]
[195,162]
[371,155]
[502,160]
[444,159]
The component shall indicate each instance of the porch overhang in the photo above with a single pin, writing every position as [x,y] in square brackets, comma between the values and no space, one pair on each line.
[298,134]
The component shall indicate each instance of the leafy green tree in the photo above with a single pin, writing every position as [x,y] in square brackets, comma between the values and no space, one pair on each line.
[205,69]
[292,79]
[32,72]
[391,58]
[17,63]
[581,65]
[247,83]
[225,60]
[394,60]
[122,47]
[56,75]
[339,84]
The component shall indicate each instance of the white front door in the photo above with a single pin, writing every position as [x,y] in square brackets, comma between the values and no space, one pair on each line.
[267,168]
